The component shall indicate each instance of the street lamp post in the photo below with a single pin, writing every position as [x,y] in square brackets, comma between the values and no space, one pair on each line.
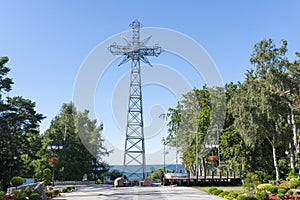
[10,167]
[197,173]
[54,158]
[164,143]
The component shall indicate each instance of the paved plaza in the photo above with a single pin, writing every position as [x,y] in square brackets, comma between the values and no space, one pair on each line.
[91,192]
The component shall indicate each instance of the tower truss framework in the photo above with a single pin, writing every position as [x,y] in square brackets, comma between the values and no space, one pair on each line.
[134,162]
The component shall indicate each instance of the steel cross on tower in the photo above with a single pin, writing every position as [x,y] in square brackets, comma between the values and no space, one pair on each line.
[136,51]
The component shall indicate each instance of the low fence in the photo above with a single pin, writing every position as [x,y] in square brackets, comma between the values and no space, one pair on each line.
[74,182]
[22,187]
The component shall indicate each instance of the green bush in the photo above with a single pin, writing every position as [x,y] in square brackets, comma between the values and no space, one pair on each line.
[290,192]
[262,196]
[291,173]
[49,193]
[281,190]
[272,189]
[211,189]
[99,181]
[18,194]
[242,197]
[34,196]
[222,194]
[217,192]
[28,191]
[56,191]
[47,176]
[69,188]
[280,195]
[251,181]
[232,195]
[295,183]
[154,175]
[283,187]
[2,194]
[16,181]
[64,190]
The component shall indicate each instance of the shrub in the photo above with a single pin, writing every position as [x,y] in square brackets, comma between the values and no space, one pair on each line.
[56,191]
[263,186]
[34,196]
[28,191]
[69,188]
[16,181]
[280,195]
[242,197]
[290,192]
[251,181]
[99,181]
[291,173]
[222,194]
[281,190]
[211,189]
[295,183]
[18,194]
[47,176]
[272,189]
[2,194]
[64,190]
[262,196]
[232,195]
[49,193]
[217,192]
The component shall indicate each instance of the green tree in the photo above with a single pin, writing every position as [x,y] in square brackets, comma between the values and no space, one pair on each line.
[19,134]
[82,143]
[288,83]
[16,181]
[194,122]
[259,112]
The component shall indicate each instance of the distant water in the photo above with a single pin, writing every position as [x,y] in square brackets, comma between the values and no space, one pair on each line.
[149,168]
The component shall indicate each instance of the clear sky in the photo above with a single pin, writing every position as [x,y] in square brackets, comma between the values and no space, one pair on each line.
[47,42]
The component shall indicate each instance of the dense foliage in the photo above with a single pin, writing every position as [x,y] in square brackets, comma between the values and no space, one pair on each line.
[19,131]
[23,149]
[260,118]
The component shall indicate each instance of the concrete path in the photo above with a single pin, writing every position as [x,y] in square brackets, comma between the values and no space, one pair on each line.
[105,192]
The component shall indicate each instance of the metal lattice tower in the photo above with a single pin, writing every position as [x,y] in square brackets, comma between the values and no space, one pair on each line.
[136,51]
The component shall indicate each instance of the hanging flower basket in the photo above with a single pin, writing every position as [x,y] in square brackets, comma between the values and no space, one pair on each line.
[53,159]
[212,158]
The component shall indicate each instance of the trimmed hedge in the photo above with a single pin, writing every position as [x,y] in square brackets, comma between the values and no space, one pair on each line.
[280,195]
[222,194]
[211,189]
[295,183]
[34,196]
[242,197]
[232,194]
[217,192]
[262,196]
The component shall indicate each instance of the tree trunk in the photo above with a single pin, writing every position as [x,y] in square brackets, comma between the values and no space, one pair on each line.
[275,162]
[292,156]
[295,137]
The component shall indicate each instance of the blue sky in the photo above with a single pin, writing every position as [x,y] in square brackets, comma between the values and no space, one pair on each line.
[47,41]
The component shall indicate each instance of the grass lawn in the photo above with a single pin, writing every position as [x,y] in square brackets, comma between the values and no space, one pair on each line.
[236,189]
